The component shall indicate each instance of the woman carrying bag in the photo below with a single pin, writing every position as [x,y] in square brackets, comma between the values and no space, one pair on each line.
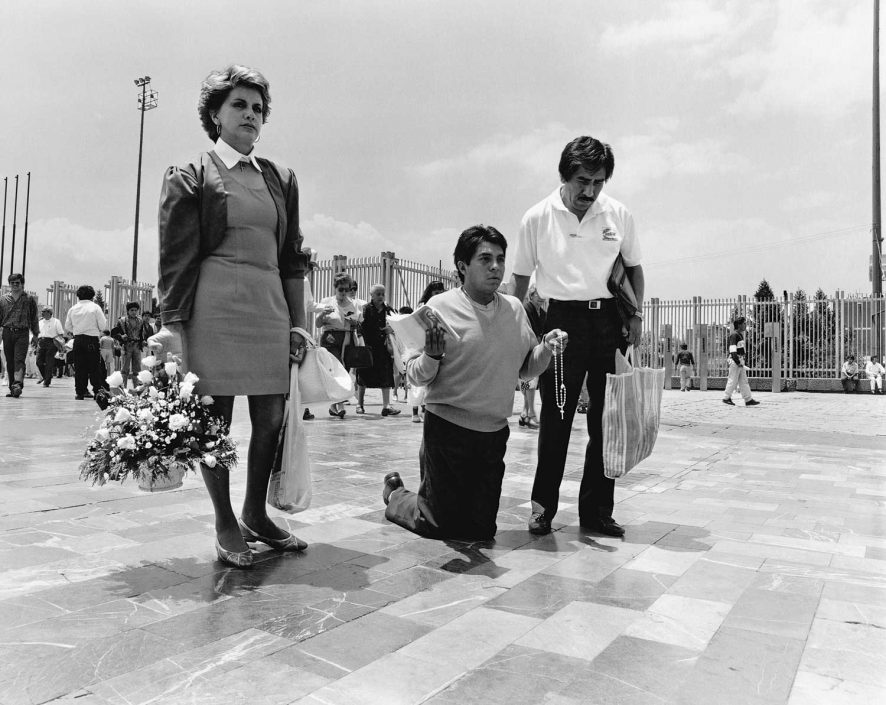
[231,271]
[338,324]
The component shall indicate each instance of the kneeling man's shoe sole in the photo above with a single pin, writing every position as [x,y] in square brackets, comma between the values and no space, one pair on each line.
[392,482]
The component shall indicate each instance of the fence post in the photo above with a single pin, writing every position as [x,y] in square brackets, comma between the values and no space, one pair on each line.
[667,334]
[773,332]
[701,337]
[387,274]
[653,329]
[339,264]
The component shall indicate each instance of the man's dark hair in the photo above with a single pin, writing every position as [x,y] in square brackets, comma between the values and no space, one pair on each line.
[588,153]
[737,322]
[85,292]
[16,277]
[470,240]
[684,346]
[133,304]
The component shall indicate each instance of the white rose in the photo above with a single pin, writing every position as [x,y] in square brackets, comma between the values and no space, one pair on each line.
[102,435]
[145,416]
[171,368]
[191,379]
[209,460]
[126,443]
[145,376]
[153,393]
[123,414]
[115,380]
[178,422]
[185,391]
[149,362]
[206,400]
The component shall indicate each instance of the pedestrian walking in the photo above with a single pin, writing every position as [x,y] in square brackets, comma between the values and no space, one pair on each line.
[738,375]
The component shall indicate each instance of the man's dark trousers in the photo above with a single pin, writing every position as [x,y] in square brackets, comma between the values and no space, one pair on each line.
[15,350]
[461,474]
[87,365]
[46,359]
[594,336]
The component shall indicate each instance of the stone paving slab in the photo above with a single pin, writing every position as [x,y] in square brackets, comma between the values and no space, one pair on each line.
[753,571]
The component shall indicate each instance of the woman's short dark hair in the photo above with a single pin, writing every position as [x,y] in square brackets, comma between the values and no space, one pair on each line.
[85,292]
[587,153]
[432,289]
[133,304]
[470,240]
[218,84]
[342,279]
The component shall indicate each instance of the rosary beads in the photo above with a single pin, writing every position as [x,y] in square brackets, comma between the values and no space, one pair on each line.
[559,385]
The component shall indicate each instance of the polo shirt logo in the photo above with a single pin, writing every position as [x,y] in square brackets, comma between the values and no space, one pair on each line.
[610,234]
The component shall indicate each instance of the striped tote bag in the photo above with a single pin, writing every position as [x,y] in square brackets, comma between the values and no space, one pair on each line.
[631,414]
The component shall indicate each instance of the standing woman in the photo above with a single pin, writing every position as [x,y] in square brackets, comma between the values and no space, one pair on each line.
[337,322]
[375,333]
[231,271]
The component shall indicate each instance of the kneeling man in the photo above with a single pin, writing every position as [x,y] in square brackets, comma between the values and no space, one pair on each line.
[470,394]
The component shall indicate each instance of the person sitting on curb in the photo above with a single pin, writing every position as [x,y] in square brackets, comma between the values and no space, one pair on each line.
[738,375]
[849,375]
[875,371]
[470,394]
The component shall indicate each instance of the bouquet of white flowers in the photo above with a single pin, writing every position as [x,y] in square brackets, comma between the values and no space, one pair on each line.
[160,424]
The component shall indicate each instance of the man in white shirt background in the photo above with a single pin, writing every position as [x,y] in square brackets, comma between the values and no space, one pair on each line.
[86,321]
[570,241]
[51,334]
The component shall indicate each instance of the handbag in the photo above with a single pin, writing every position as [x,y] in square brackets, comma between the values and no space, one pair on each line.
[321,377]
[289,487]
[631,414]
[356,355]
[621,289]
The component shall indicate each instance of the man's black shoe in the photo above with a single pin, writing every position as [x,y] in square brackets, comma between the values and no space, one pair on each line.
[606,525]
[102,398]
[729,401]
[79,397]
[392,482]
[752,402]
[539,525]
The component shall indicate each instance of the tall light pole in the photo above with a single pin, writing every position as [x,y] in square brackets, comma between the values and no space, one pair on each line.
[876,261]
[147,100]
[27,206]
[3,237]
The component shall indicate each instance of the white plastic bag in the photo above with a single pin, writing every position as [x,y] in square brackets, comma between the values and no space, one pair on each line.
[289,488]
[321,377]
[631,414]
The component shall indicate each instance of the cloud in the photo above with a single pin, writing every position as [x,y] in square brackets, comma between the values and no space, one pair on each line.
[328,237]
[696,27]
[59,249]
[534,154]
[786,56]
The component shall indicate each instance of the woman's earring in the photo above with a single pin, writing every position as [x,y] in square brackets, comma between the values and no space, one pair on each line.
[218,128]
[258,139]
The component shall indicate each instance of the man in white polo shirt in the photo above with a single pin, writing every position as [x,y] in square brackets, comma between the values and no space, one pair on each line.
[570,241]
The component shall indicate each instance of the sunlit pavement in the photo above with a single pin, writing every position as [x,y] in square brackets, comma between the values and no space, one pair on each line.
[753,571]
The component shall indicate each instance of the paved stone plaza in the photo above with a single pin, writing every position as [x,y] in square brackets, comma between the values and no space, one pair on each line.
[753,571]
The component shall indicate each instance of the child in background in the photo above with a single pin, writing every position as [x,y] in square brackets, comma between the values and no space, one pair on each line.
[875,371]
[106,350]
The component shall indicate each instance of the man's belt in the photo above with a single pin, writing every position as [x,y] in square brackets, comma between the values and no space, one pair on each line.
[592,305]
[16,329]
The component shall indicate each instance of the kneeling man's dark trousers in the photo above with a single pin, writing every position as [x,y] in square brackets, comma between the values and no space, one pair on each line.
[461,474]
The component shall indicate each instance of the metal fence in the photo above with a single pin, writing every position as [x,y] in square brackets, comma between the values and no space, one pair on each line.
[404,281]
[815,336]
[116,294]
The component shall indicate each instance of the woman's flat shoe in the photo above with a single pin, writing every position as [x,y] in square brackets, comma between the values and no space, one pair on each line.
[290,543]
[236,559]
[388,411]
[359,410]
[522,421]
[531,422]
[341,413]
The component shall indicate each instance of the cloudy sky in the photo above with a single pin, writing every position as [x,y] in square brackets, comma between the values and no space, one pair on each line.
[741,128]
